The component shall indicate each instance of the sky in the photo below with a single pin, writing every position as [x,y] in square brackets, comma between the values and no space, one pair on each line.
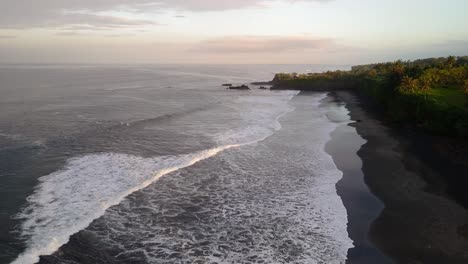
[225,32]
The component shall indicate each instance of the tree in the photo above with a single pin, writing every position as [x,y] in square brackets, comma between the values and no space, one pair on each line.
[451,61]
[433,76]
[408,85]
[462,61]
[371,73]
[465,87]
[397,72]
[426,82]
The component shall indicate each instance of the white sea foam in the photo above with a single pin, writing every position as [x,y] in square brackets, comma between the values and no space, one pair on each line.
[256,113]
[275,202]
[67,201]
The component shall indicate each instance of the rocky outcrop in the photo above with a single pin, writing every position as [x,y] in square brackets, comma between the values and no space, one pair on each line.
[263,83]
[242,87]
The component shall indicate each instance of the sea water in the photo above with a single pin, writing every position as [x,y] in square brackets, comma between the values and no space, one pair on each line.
[160,164]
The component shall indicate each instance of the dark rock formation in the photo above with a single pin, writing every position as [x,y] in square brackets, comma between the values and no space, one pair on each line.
[263,83]
[242,87]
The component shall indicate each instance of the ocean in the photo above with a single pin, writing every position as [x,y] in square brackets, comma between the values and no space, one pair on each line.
[161,164]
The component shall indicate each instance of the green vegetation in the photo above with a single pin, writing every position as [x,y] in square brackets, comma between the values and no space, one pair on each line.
[430,93]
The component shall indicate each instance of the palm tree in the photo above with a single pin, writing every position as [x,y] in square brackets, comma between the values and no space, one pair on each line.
[408,84]
[451,61]
[426,82]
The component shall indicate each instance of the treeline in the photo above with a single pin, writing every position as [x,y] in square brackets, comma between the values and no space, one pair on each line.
[431,93]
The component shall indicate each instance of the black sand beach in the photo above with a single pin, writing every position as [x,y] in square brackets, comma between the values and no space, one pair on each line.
[417,220]
[362,206]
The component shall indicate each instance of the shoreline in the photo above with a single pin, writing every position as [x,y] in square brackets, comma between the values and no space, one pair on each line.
[362,206]
[419,222]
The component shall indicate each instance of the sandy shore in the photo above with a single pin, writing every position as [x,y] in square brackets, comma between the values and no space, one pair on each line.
[363,207]
[406,213]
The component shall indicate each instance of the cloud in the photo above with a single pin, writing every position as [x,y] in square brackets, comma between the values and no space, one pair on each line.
[216,5]
[262,44]
[7,37]
[84,21]
[21,14]
[101,21]
[53,13]
[67,33]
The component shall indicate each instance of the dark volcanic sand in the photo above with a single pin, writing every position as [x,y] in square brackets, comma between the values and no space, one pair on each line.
[362,206]
[416,224]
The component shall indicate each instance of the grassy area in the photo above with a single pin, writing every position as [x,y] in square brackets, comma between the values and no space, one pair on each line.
[451,96]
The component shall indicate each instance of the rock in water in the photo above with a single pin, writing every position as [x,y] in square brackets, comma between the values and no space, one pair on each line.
[242,87]
[262,83]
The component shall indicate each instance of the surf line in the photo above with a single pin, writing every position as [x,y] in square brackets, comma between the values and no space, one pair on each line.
[40,245]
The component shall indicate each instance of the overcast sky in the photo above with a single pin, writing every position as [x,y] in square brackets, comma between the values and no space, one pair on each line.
[237,31]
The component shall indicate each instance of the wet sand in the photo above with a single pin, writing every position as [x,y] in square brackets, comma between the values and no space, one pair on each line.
[407,213]
[362,206]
